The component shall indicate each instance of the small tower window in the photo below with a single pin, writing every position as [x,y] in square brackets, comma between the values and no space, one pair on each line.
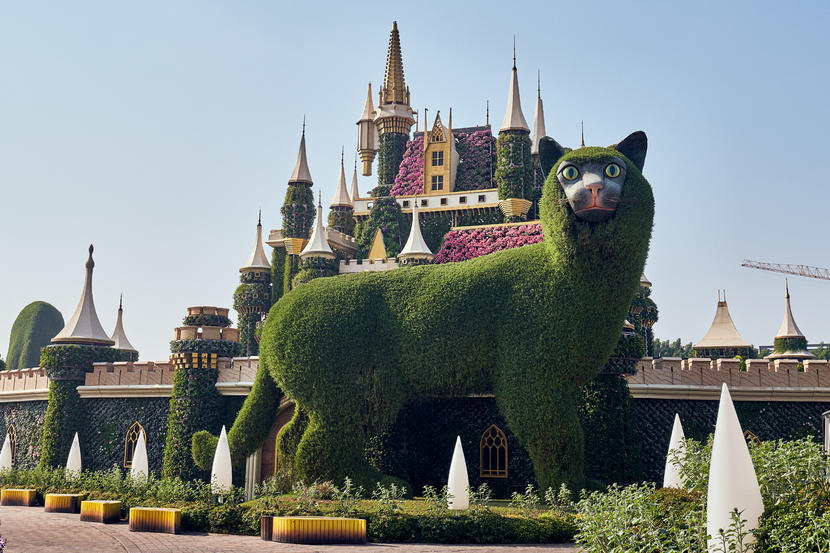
[437,159]
[462,199]
[406,203]
[493,453]
[481,198]
[129,443]
[424,203]
[12,440]
[437,182]
[443,201]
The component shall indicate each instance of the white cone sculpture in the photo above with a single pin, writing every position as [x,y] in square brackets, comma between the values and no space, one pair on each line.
[732,480]
[221,475]
[458,481]
[140,469]
[671,478]
[73,462]
[6,454]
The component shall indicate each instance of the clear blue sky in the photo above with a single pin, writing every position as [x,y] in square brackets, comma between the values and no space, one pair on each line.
[156,130]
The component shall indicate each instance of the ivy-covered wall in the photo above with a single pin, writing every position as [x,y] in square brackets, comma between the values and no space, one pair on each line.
[514,169]
[391,147]
[27,418]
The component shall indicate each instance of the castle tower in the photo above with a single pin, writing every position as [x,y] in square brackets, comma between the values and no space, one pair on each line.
[514,168]
[252,297]
[367,134]
[415,251]
[440,158]
[394,116]
[341,213]
[789,342]
[722,339]
[297,215]
[535,136]
[318,245]
[120,337]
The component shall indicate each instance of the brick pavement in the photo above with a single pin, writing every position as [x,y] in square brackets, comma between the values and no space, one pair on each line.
[31,529]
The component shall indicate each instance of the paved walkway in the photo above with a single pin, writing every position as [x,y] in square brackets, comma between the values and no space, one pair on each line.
[31,529]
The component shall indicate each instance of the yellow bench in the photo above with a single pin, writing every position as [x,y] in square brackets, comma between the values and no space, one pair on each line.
[313,530]
[18,497]
[155,519]
[100,511]
[63,502]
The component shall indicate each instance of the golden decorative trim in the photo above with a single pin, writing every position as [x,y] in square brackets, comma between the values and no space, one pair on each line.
[493,453]
[294,246]
[515,207]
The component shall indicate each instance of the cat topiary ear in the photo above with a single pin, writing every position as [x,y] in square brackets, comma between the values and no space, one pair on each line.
[549,153]
[633,147]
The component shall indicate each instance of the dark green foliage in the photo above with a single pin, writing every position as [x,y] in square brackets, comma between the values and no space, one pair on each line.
[194,405]
[341,218]
[290,269]
[33,328]
[643,315]
[27,418]
[222,348]
[207,320]
[315,267]
[665,348]
[574,290]
[2,364]
[514,168]
[277,270]
[391,147]
[251,300]
[782,345]
[386,214]
[298,211]
[72,361]
[247,333]
[723,353]
[64,417]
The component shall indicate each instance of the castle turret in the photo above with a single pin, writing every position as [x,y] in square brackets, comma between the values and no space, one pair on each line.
[789,342]
[415,250]
[722,339]
[394,116]
[119,337]
[354,194]
[252,297]
[514,168]
[538,120]
[297,214]
[367,134]
[318,245]
[341,213]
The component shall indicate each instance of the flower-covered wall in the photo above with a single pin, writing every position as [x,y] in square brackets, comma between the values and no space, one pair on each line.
[469,243]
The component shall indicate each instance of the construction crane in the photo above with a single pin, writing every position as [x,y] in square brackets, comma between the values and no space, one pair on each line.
[800,270]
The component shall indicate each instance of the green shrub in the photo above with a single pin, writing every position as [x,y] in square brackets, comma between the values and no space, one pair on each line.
[33,329]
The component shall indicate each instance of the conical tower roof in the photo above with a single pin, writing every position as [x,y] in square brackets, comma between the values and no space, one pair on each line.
[301,172]
[341,196]
[790,330]
[538,121]
[788,327]
[118,335]
[415,246]
[368,108]
[394,86]
[514,119]
[257,261]
[354,194]
[722,333]
[84,327]
[318,244]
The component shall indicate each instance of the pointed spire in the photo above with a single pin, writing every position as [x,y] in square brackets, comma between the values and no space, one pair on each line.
[722,333]
[788,327]
[538,119]
[582,132]
[84,327]
[318,244]
[301,172]
[416,247]
[257,261]
[354,194]
[394,87]
[341,196]
[368,108]
[118,335]
[514,119]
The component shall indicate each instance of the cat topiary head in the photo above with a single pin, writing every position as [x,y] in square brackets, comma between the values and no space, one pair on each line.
[595,189]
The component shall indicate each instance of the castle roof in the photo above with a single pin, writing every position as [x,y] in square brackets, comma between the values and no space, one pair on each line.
[301,172]
[514,119]
[118,335]
[722,333]
[788,327]
[257,261]
[368,108]
[341,196]
[354,194]
[84,327]
[538,123]
[394,86]
[318,246]
[415,246]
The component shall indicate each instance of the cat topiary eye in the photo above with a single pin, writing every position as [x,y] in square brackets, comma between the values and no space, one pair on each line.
[612,170]
[570,172]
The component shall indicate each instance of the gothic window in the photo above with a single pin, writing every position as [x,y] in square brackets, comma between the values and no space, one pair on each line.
[437,159]
[493,453]
[129,443]
[438,182]
[12,440]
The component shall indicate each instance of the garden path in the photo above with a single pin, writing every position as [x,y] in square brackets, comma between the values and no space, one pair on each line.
[31,529]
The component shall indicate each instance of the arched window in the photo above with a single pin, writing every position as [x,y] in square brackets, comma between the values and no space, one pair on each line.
[12,440]
[493,453]
[133,433]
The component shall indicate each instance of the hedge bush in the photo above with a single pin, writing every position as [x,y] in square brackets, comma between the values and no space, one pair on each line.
[222,348]
[391,147]
[33,329]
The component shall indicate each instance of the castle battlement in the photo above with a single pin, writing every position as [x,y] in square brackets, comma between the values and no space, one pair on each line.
[759,373]
[367,265]
[23,380]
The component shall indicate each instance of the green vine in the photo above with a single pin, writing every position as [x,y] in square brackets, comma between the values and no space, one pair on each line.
[298,211]
[783,345]
[386,214]
[391,147]
[207,320]
[341,218]
[222,348]
[277,270]
[64,417]
[514,168]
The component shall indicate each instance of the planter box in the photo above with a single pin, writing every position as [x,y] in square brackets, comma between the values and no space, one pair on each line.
[155,519]
[18,497]
[313,530]
[100,511]
[63,502]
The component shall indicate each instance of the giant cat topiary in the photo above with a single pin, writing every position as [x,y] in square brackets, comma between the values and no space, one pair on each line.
[530,325]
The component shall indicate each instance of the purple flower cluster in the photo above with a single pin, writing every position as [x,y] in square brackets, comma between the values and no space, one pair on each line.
[466,244]
[410,178]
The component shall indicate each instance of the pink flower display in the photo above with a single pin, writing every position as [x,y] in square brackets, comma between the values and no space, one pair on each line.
[469,243]
[410,178]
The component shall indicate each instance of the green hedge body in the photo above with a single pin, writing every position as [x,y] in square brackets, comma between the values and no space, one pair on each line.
[353,350]
[33,329]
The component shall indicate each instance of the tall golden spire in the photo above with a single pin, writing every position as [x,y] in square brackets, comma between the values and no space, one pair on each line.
[394,86]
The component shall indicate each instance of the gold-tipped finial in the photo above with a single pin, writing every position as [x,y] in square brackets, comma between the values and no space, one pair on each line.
[582,143]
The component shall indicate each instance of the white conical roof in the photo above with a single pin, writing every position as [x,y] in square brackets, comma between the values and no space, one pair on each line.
[84,327]
[458,482]
[514,119]
[672,477]
[722,333]
[341,195]
[301,172]
[257,261]
[415,245]
[354,194]
[318,245]
[368,108]
[118,335]
[538,124]
[788,327]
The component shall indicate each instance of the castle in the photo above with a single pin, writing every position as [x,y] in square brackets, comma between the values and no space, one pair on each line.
[444,194]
